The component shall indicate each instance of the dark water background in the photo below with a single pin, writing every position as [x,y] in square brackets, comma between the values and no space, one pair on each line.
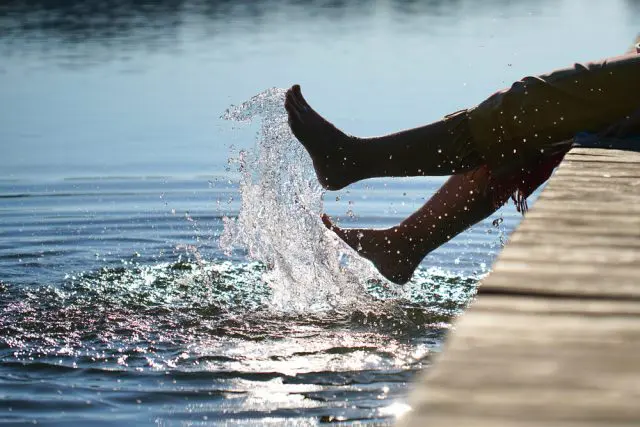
[117,305]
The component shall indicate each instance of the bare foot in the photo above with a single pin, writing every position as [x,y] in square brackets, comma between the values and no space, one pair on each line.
[331,150]
[389,251]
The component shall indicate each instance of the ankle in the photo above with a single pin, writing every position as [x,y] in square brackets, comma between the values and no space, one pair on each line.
[399,243]
[410,244]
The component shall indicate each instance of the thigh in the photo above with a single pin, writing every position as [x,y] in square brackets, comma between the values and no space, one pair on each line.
[538,111]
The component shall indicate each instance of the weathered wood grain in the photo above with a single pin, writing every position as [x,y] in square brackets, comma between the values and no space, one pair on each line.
[553,337]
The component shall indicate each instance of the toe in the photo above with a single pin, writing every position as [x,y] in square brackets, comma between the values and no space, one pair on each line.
[299,98]
[293,101]
[296,91]
[327,221]
[346,235]
[289,105]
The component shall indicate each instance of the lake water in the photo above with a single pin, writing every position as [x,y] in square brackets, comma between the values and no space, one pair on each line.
[154,267]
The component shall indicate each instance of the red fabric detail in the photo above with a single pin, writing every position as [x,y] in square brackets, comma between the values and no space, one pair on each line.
[521,183]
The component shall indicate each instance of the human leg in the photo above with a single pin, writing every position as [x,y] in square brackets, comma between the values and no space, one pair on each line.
[462,201]
[396,252]
[440,148]
[505,131]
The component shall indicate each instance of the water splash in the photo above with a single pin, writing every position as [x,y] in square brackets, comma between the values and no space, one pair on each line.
[182,314]
[200,334]
[279,222]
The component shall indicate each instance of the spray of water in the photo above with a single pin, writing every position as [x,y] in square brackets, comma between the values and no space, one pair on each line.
[308,267]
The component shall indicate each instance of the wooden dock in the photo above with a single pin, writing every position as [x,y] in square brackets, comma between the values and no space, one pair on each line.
[553,337]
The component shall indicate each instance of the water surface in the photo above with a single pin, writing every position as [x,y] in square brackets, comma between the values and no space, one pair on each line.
[123,299]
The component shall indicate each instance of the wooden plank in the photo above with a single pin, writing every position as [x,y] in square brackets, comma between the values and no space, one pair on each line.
[513,361]
[553,337]
[548,253]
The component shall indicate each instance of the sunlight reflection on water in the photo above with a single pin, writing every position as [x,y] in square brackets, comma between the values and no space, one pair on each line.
[116,303]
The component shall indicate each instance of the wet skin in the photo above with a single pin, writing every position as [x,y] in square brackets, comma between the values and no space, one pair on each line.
[471,194]
[340,159]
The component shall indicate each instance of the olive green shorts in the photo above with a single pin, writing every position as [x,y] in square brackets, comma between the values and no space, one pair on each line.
[518,123]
